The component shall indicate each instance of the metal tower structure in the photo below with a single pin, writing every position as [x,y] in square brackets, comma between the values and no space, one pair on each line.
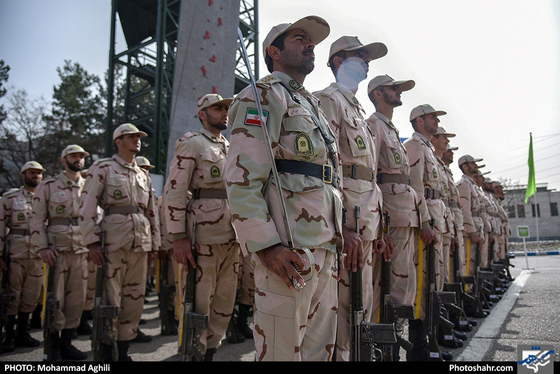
[140,78]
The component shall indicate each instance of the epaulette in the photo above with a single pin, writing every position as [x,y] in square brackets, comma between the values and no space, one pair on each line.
[268,81]
[326,92]
[10,192]
[49,180]
[102,160]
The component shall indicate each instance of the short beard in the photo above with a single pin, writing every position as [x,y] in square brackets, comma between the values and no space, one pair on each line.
[30,183]
[73,167]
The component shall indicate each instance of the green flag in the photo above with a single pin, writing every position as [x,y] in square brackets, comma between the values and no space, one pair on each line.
[531,185]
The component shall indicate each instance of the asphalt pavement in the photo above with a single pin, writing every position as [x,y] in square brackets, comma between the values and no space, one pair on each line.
[527,314]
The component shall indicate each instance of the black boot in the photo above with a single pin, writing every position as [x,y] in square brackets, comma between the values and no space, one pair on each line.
[209,355]
[242,325]
[54,348]
[67,350]
[84,328]
[417,336]
[123,350]
[9,343]
[23,338]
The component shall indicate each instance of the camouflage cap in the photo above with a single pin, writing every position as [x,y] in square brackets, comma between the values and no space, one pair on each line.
[385,80]
[316,28]
[32,165]
[126,129]
[73,148]
[423,109]
[441,131]
[212,99]
[352,43]
[468,158]
[143,161]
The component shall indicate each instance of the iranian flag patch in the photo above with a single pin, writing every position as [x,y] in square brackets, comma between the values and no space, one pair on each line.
[253,118]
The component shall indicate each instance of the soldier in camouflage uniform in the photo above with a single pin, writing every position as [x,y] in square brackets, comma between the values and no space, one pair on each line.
[487,219]
[56,236]
[400,202]
[195,193]
[131,227]
[425,178]
[348,60]
[26,269]
[289,325]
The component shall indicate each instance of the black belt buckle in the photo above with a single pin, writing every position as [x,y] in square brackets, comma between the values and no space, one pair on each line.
[327,173]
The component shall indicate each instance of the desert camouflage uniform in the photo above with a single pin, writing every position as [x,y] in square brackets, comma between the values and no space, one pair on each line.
[425,178]
[131,226]
[289,325]
[449,231]
[54,226]
[400,202]
[458,228]
[470,205]
[26,266]
[345,116]
[195,192]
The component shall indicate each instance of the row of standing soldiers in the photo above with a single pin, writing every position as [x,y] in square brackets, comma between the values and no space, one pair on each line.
[284,236]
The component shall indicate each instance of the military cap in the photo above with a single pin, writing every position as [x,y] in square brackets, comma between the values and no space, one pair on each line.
[127,129]
[32,165]
[73,148]
[143,161]
[316,28]
[423,109]
[385,80]
[468,158]
[441,131]
[450,148]
[351,43]
[212,99]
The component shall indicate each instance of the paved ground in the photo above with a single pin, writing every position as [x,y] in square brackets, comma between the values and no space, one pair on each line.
[527,314]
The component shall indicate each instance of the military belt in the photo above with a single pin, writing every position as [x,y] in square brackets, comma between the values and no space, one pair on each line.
[123,209]
[325,172]
[455,204]
[475,213]
[22,232]
[70,221]
[430,193]
[205,193]
[358,172]
[393,178]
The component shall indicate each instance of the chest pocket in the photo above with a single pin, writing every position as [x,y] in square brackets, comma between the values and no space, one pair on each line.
[395,155]
[21,210]
[357,137]
[60,203]
[301,137]
[117,189]
[212,164]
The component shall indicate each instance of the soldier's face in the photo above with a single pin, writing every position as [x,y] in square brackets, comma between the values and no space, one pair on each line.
[392,95]
[298,53]
[75,161]
[431,123]
[131,142]
[447,156]
[32,177]
[440,142]
[216,116]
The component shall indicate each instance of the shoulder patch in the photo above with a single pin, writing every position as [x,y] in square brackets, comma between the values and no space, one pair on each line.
[252,117]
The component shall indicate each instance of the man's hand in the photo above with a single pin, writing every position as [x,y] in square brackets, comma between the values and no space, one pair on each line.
[354,255]
[183,253]
[48,256]
[95,254]
[278,260]
[428,236]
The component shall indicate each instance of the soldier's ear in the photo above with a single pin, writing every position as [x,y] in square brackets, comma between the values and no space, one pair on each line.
[274,52]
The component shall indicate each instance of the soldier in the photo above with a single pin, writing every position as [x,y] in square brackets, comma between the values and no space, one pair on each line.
[198,169]
[55,235]
[400,202]
[288,325]
[486,215]
[425,178]
[131,227]
[348,60]
[26,269]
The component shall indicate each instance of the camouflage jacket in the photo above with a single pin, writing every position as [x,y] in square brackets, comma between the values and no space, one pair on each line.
[470,205]
[399,199]
[112,182]
[198,164]
[15,214]
[456,212]
[425,175]
[355,143]
[314,207]
[57,200]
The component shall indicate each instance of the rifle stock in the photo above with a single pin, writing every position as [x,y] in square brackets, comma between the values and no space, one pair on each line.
[165,291]
[191,321]
[103,343]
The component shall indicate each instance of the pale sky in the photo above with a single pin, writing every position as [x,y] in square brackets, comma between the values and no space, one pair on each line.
[493,66]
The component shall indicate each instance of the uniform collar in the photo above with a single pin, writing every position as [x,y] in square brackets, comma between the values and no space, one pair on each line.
[122,162]
[423,138]
[349,95]
[69,182]
[288,81]
[212,137]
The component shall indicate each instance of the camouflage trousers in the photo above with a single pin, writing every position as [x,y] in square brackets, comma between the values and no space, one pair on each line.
[421,263]
[216,286]
[403,271]
[292,325]
[90,292]
[484,250]
[445,269]
[25,283]
[246,283]
[125,287]
[69,288]
[344,297]
[459,251]
[470,256]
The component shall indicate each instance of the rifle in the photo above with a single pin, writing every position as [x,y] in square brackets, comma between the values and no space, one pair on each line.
[365,335]
[434,302]
[461,295]
[191,321]
[165,291]
[390,312]
[50,306]
[6,297]
[103,343]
